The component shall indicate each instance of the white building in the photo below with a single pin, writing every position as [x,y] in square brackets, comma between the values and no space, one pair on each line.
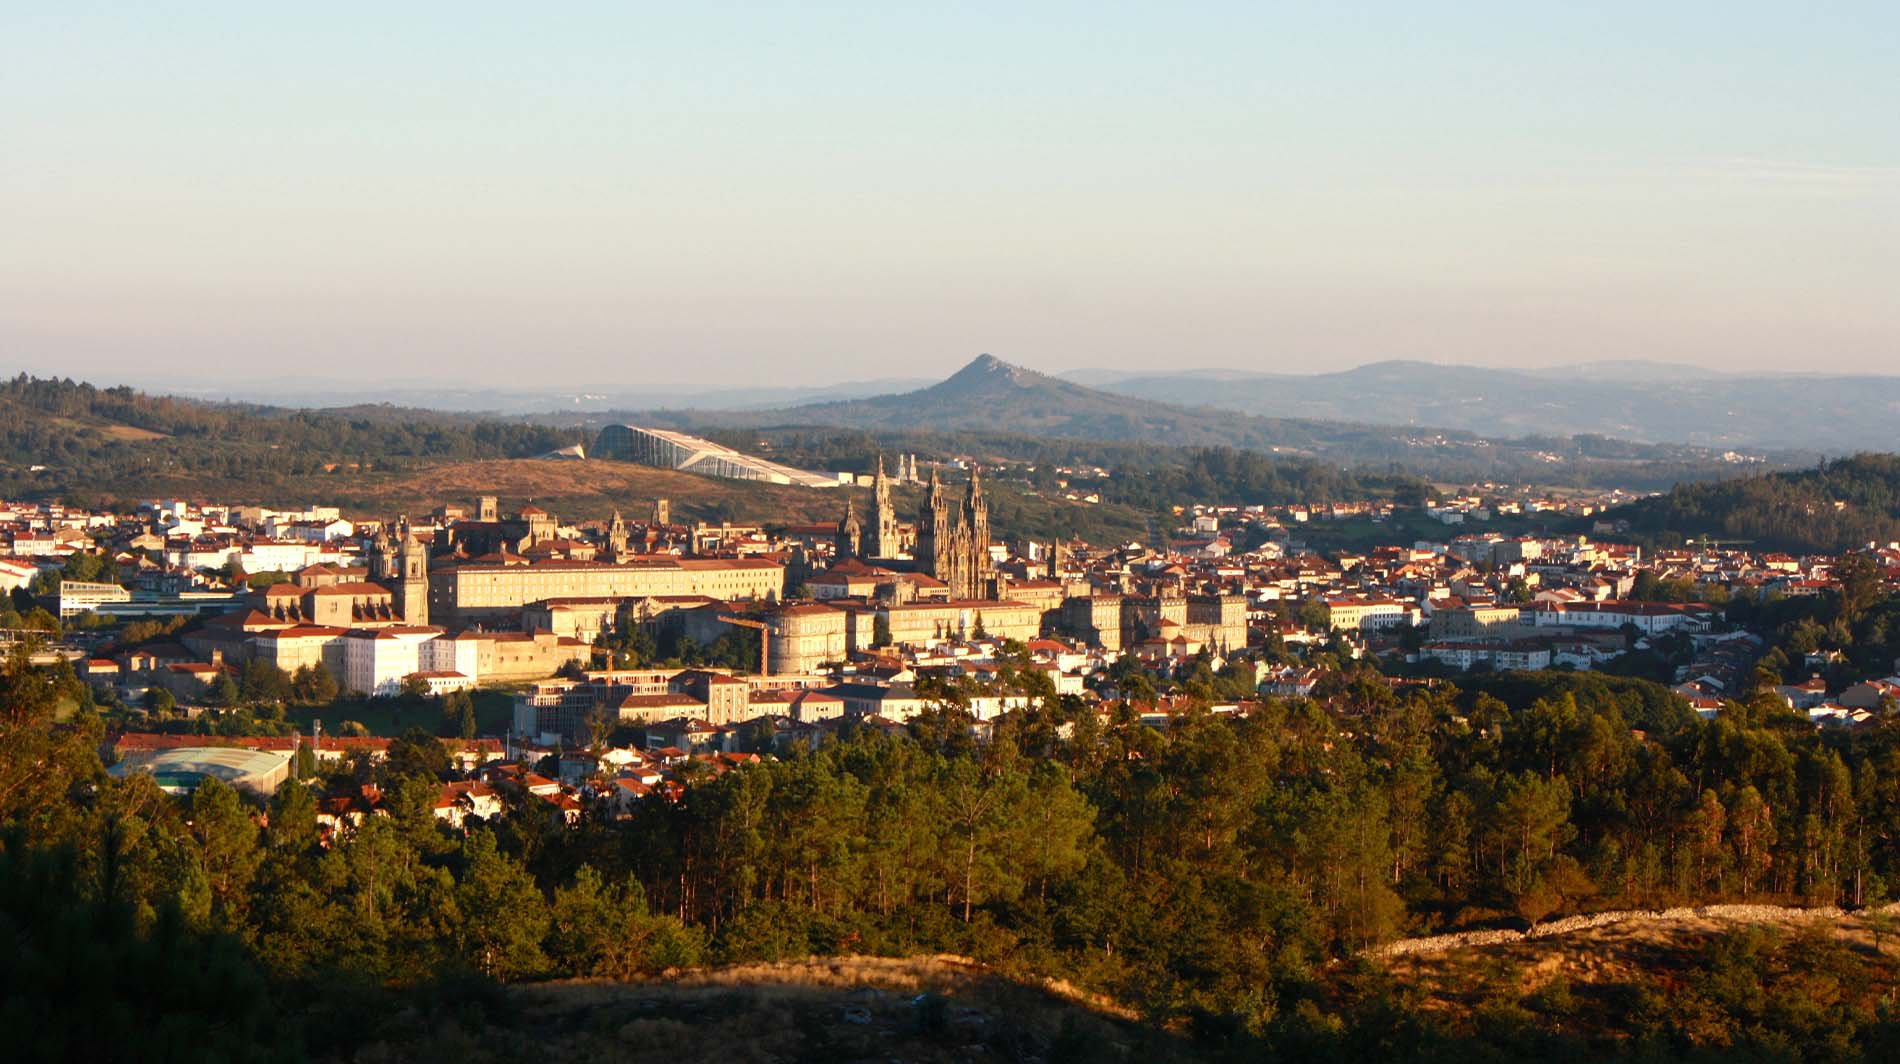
[438,683]
[15,575]
[376,661]
[447,655]
[1647,617]
[313,530]
[78,596]
[1500,656]
[280,556]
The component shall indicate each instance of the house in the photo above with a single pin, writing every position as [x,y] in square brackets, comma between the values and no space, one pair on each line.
[798,705]
[897,702]
[463,799]
[1806,694]
[683,733]
[1869,694]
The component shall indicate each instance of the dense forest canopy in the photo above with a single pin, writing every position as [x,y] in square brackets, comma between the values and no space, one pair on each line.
[1219,875]
[1837,506]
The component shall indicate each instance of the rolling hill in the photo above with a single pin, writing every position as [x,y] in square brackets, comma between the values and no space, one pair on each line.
[1836,506]
[992,396]
[115,446]
[1647,401]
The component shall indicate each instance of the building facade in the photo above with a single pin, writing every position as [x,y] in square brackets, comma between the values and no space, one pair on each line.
[494,593]
[953,539]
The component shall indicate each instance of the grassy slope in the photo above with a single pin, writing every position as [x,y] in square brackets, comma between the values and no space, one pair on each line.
[852,1008]
[592,490]
[1606,983]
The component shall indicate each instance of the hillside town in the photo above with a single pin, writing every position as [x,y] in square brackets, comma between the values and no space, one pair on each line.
[625,658]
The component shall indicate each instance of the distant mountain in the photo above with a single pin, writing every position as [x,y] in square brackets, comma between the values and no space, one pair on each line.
[1646,401]
[993,396]
[990,394]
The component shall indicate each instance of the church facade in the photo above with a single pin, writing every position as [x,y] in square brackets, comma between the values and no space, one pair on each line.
[951,537]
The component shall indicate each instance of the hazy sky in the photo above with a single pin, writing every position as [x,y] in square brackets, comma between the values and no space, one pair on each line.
[703,194]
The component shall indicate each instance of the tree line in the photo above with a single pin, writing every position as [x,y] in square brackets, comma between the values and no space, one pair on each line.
[1211,873]
[1837,506]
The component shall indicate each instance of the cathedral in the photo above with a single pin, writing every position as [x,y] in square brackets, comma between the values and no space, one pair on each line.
[953,539]
[952,535]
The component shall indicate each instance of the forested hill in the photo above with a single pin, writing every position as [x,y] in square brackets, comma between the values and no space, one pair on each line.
[76,440]
[1838,505]
[34,410]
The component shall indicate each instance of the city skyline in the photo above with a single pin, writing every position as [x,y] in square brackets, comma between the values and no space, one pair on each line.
[692,198]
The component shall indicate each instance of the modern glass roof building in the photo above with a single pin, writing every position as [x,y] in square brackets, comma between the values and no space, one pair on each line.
[183,769]
[690,454]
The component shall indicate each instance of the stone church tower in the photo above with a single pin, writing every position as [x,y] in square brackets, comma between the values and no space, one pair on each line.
[617,538]
[412,577]
[884,532]
[382,556]
[954,539]
[850,531]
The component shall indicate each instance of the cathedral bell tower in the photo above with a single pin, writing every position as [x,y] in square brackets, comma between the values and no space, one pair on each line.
[884,532]
[617,538]
[412,577]
[382,556]
[850,531]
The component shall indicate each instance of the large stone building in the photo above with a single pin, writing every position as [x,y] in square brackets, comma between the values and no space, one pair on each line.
[1482,621]
[1095,620]
[495,592]
[950,541]
[347,604]
[301,646]
[1113,622]
[491,533]
[801,637]
[953,539]
[377,660]
[573,710]
[920,623]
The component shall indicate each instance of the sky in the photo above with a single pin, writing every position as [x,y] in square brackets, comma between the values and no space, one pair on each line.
[700,195]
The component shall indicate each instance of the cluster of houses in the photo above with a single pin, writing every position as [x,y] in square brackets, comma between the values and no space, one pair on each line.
[465,597]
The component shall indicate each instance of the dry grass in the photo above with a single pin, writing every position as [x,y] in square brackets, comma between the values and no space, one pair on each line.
[111,430]
[1457,979]
[596,486]
[925,1009]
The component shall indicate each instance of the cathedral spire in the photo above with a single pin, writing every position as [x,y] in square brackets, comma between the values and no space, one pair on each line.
[617,537]
[850,532]
[884,517]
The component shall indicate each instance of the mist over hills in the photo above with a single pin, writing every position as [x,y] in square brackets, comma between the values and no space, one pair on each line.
[1643,401]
